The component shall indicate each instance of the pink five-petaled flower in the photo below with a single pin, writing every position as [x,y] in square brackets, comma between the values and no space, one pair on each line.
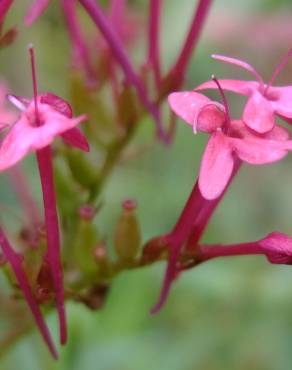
[264,100]
[26,136]
[229,139]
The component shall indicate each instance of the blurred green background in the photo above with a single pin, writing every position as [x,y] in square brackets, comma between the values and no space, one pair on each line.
[227,314]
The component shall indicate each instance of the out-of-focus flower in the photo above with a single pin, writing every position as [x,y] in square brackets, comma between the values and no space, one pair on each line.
[36,10]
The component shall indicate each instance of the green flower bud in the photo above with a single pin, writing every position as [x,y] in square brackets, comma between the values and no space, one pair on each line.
[127,238]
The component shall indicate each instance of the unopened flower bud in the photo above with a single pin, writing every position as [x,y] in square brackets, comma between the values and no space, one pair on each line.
[127,237]
[87,212]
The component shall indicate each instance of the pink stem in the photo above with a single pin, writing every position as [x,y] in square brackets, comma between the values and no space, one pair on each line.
[278,69]
[191,224]
[207,252]
[105,27]
[153,39]
[192,38]
[15,262]
[21,187]
[53,255]
[79,44]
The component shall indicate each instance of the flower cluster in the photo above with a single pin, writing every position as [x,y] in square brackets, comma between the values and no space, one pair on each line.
[256,139]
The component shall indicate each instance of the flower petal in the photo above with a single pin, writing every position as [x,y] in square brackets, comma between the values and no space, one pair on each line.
[237,86]
[74,137]
[281,98]
[186,104]
[255,150]
[259,113]
[216,167]
[57,103]
[197,110]
[24,138]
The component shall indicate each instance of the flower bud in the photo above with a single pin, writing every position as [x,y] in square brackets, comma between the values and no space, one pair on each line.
[127,237]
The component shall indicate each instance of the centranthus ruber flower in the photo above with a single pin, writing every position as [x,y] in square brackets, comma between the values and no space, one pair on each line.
[229,139]
[44,118]
[264,100]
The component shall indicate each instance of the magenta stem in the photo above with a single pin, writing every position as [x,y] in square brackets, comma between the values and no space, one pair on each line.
[189,228]
[153,39]
[22,189]
[192,38]
[207,252]
[53,255]
[105,27]
[77,38]
[15,261]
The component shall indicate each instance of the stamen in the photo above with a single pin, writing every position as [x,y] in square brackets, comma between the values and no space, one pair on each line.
[278,69]
[225,103]
[240,63]
[34,81]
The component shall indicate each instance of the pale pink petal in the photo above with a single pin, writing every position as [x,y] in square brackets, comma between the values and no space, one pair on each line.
[255,150]
[277,248]
[216,166]
[258,113]
[35,11]
[281,100]
[197,110]
[76,139]
[239,63]
[186,104]
[236,86]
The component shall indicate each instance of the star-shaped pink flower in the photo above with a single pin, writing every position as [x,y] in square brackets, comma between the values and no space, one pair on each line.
[264,100]
[26,136]
[229,140]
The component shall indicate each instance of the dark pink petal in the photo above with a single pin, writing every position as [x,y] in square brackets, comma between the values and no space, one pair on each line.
[197,110]
[76,139]
[216,166]
[35,11]
[59,104]
[281,98]
[277,248]
[16,263]
[255,150]
[237,86]
[258,113]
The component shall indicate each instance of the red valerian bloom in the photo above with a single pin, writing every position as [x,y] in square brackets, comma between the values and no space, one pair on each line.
[25,136]
[229,139]
[264,100]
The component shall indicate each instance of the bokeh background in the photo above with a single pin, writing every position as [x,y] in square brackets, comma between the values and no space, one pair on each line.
[231,313]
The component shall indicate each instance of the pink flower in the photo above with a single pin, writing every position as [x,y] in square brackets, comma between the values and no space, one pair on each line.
[25,136]
[264,100]
[229,140]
